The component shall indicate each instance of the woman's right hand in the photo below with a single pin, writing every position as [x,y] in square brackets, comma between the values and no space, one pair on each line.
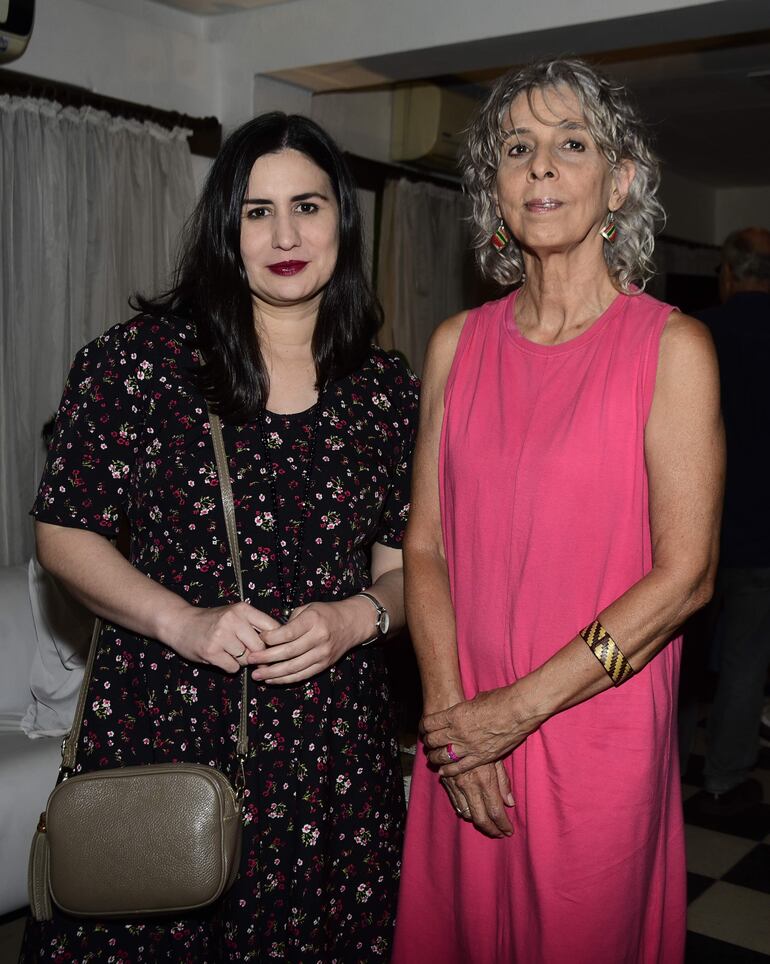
[222,636]
[481,796]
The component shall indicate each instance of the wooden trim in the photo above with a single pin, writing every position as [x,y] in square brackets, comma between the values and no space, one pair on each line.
[205,139]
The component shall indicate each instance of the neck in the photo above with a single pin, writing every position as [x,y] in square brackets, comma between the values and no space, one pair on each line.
[286,332]
[563,296]
[286,341]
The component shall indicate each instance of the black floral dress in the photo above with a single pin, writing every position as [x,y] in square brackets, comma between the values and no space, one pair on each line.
[324,810]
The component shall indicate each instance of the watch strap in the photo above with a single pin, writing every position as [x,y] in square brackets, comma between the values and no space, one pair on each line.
[380,610]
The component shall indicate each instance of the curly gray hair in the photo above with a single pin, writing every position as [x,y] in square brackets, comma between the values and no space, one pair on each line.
[619,134]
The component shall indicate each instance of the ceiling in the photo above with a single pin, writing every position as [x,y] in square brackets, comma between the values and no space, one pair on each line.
[707,100]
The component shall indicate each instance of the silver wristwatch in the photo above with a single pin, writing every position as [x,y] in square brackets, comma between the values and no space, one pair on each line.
[382,622]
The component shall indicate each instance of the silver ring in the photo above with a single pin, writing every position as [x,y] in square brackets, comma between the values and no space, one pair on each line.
[241,654]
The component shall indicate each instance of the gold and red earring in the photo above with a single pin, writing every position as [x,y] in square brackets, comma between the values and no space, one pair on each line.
[609,230]
[501,237]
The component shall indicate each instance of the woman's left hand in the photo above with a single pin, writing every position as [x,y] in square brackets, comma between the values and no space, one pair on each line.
[315,638]
[482,730]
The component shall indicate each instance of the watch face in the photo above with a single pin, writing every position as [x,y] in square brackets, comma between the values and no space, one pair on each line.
[384,622]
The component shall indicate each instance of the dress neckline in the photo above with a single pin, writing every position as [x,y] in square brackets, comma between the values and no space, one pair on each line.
[305,413]
[535,348]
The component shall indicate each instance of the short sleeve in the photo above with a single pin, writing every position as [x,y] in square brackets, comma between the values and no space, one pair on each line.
[86,482]
[404,390]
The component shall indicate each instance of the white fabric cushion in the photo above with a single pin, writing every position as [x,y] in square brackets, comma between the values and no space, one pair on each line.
[17,640]
[27,775]
[63,630]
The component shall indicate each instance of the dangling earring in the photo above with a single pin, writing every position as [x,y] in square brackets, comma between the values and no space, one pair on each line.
[609,230]
[501,237]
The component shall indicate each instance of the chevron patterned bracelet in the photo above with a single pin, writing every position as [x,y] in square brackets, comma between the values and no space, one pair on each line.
[607,651]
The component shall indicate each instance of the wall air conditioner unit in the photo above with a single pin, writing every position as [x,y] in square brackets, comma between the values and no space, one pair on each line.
[428,124]
[16,19]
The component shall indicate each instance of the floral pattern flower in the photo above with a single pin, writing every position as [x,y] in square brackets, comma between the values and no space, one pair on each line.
[324,802]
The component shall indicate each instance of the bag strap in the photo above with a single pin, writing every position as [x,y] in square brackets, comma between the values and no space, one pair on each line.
[69,744]
[226,492]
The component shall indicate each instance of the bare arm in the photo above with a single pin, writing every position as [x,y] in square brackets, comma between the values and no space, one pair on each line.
[428,604]
[483,793]
[684,450]
[106,583]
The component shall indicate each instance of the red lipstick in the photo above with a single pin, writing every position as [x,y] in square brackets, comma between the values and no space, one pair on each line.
[287,268]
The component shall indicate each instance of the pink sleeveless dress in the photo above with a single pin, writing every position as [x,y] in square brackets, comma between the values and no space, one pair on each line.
[544,507]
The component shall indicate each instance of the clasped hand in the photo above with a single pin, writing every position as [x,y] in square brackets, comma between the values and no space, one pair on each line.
[223,636]
[238,635]
[480,733]
[315,638]
[482,730]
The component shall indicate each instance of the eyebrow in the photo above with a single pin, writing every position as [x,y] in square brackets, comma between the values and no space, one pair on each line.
[566,125]
[297,197]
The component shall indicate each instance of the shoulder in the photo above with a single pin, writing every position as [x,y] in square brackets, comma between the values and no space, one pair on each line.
[687,364]
[442,348]
[130,361]
[140,338]
[388,374]
[685,336]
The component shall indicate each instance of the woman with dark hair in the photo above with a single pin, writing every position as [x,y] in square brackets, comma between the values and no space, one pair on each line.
[568,479]
[270,324]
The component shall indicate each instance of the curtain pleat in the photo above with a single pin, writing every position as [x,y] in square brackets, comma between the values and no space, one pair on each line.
[91,209]
[425,269]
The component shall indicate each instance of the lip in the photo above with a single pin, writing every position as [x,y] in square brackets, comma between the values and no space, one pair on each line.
[287,268]
[542,205]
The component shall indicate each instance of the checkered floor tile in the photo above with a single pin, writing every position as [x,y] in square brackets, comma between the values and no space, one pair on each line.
[728,864]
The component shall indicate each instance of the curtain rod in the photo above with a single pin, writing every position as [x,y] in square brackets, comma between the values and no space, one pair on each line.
[371,174]
[206,137]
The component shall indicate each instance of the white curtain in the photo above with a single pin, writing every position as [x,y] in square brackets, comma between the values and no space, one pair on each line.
[90,211]
[425,268]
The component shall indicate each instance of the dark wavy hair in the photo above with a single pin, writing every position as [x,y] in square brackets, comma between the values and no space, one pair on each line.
[211,288]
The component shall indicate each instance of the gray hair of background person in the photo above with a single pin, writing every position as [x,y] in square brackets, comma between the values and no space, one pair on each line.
[745,258]
[619,133]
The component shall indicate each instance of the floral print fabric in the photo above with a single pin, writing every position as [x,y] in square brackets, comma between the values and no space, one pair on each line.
[324,807]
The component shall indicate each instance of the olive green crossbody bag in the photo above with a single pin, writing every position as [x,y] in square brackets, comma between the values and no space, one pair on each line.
[161,838]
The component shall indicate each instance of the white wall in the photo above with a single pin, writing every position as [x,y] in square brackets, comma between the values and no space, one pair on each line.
[690,208]
[741,208]
[270,94]
[151,54]
[358,120]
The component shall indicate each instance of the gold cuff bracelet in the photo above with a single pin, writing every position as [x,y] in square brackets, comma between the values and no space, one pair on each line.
[607,651]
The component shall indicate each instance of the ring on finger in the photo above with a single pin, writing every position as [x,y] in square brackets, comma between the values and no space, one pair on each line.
[241,654]
[454,758]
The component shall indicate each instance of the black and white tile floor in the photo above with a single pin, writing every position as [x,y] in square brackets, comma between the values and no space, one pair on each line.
[728,875]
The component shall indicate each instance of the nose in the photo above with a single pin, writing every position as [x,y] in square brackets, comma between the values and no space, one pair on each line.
[285,232]
[541,167]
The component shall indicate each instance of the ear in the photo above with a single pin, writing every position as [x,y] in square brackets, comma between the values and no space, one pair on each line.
[622,177]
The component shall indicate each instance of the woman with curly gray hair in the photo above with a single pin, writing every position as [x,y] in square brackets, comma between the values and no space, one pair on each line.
[566,497]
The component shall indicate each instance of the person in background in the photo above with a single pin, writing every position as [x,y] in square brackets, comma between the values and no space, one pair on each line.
[270,324]
[568,482]
[741,330]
